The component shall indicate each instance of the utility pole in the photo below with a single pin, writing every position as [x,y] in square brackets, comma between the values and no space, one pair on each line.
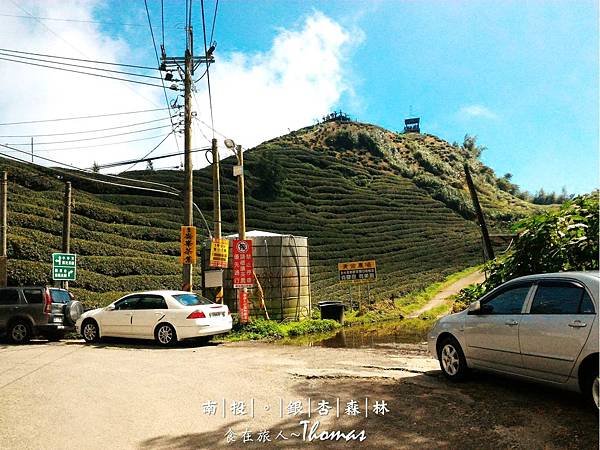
[188,202]
[32,149]
[241,197]
[487,243]
[4,229]
[216,189]
[190,62]
[66,231]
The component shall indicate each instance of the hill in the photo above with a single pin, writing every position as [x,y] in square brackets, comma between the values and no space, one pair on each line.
[356,190]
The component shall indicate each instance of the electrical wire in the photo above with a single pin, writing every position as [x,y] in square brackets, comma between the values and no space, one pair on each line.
[92,138]
[82,132]
[84,117]
[212,120]
[100,22]
[77,59]
[212,30]
[178,194]
[147,154]
[84,73]
[98,145]
[29,58]
[80,169]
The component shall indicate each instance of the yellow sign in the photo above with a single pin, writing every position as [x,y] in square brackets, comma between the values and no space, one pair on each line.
[358,271]
[188,245]
[219,252]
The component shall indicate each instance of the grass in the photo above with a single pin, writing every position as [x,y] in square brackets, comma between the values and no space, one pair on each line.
[268,329]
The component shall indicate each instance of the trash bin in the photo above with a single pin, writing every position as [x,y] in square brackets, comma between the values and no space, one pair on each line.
[332,310]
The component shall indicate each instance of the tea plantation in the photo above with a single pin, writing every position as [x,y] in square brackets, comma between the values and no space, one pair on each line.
[357,191]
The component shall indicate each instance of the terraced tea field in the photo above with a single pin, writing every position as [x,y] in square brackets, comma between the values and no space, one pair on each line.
[352,204]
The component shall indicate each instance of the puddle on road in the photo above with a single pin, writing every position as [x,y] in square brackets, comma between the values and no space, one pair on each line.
[364,336]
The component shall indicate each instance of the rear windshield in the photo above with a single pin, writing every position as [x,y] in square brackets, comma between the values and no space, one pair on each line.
[59,296]
[191,300]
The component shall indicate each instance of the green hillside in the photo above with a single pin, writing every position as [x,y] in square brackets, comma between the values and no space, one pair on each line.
[356,190]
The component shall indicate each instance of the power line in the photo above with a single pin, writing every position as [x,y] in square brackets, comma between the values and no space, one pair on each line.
[212,120]
[148,154]
[162,82]
[80,66]
[137,161]
[212,30]
[84,117]
[75,175]
[97,137]
[100,145]
[76,168]
[100,22]
[83,132]
[77,59]
[84,73]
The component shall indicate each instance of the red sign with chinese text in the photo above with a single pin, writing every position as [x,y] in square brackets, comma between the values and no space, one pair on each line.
[243,306]
[243,266]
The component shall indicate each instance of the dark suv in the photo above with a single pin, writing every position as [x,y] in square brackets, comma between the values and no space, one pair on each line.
[35,310]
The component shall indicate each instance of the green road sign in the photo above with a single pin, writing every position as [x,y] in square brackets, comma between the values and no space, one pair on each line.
[64,266]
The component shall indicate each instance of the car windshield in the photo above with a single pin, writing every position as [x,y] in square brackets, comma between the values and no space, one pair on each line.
[59,296]
[191,299]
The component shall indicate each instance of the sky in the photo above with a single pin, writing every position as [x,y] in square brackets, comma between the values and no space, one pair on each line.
[522,76]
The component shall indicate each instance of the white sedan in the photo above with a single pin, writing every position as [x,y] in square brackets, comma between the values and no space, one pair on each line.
[166,316]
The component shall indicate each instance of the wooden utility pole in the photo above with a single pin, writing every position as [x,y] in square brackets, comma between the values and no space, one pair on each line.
[4,229]
[188,202]
[66,231]
[216,189]
[241,197]
[487,243]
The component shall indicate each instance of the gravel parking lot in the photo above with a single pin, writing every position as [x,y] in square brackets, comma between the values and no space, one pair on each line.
[125,394]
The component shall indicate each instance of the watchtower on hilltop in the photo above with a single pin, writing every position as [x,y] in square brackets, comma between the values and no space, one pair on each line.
[412,125]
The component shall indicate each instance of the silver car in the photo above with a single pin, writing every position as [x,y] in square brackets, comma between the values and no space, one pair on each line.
[538,327]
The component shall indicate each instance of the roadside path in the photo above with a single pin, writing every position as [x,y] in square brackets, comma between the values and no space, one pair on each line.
[440,298]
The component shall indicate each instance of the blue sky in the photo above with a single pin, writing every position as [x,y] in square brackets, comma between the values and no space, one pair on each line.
[522,76]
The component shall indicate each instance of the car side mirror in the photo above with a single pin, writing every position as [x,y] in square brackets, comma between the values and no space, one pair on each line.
[110,308]
[475,308]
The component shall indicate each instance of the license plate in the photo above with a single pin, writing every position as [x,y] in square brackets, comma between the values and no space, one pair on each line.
[217,314]
[58,320]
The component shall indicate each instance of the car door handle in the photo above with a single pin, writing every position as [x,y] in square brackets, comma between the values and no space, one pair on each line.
[577,324]
[511,323]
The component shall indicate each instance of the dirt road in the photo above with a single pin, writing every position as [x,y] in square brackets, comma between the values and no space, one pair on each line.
[125,395]
[454,288]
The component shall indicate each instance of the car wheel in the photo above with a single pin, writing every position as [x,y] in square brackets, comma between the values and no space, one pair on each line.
[19,332]
[591,386]
[165,334]
[90,331]
[452,360]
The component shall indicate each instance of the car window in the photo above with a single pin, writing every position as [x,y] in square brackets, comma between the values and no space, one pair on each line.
[587,306]
[33,295]
[60,296]
[509,301]
[9,297]
[191,299]
[126,303]
[557,298]
[151,302]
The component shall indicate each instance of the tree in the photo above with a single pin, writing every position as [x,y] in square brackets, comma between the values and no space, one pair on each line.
[150,166]
[95,167]
[470,145]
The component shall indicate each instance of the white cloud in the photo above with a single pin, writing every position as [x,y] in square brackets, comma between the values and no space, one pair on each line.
[255,96]
[471,111]
[35,93]
[302,77]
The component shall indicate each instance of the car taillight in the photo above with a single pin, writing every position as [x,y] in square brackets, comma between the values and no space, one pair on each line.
[197,315]
[47,301]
